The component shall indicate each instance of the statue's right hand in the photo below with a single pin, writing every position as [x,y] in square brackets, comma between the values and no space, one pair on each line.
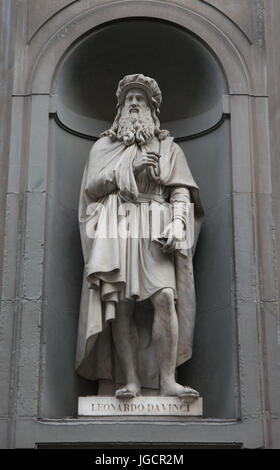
[145,160]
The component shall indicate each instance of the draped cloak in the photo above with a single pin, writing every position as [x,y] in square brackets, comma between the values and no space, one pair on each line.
[108,181]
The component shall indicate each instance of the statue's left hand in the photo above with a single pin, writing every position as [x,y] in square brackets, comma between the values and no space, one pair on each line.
[173,233]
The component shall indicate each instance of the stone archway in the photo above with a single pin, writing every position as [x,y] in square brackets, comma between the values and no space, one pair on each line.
[83,105]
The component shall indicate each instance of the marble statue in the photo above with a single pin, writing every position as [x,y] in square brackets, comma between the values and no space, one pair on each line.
[139,214]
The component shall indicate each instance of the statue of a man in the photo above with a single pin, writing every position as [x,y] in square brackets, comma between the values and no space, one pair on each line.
[138,302]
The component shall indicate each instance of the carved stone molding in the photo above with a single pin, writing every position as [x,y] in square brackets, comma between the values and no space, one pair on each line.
[239,12]
[178,139]
[47,58]
[40,11]
[259,23]
[247,15]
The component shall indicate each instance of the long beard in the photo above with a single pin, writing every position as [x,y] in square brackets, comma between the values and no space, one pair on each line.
[136,127]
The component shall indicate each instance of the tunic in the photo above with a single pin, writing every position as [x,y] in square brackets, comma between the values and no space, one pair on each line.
[121,268]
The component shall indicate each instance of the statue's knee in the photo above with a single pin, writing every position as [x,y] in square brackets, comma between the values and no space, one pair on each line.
[164,298]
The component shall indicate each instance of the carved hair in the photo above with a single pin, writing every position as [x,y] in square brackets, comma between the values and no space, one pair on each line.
[112,133]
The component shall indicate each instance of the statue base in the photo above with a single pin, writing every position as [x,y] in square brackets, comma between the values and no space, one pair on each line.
[139,406]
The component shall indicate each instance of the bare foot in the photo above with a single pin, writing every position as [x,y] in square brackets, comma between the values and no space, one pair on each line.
[131,390]
[173,389]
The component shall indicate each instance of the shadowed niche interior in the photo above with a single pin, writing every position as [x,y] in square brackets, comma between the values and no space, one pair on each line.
[192,85]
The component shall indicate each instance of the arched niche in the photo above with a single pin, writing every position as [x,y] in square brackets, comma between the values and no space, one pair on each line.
[83,104]
[192,82]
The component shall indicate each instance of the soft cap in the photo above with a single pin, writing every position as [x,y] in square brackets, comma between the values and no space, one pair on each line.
[138,80]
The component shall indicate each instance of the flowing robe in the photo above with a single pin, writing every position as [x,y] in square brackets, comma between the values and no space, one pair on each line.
[123,268]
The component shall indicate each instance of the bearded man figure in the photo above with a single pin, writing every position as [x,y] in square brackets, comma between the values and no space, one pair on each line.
[138,301]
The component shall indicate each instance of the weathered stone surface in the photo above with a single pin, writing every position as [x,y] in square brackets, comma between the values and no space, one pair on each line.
[10,258]
[40,11]
[7,31]
[38,151]
[34,246]
[3,433]
[238,11]
[271,309]
[28,367]
[6,341]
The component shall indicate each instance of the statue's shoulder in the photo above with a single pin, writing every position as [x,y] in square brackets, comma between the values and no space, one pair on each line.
[101,144]
[169,143]
[177,148]
[103,141]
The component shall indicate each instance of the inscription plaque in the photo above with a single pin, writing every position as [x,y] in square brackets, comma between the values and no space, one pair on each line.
[139,406]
